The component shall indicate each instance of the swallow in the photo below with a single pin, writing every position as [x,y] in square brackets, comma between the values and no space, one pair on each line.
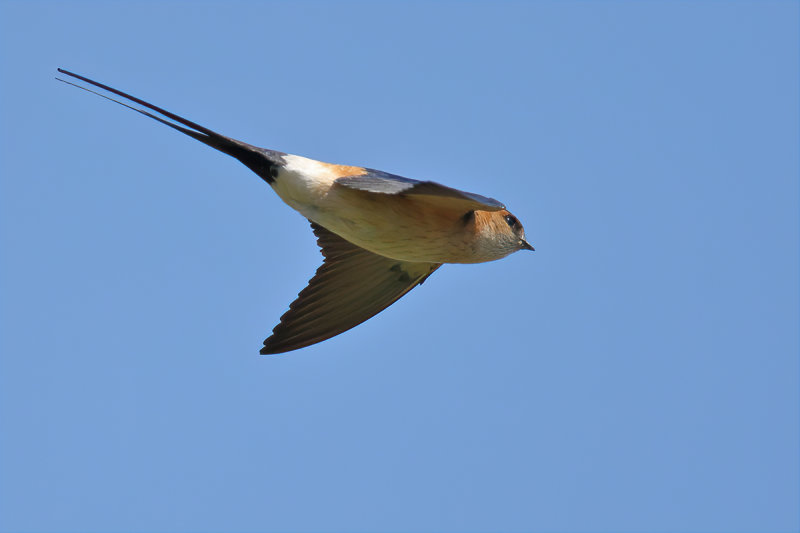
[380,234]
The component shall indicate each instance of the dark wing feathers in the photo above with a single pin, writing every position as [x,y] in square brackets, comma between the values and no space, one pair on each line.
[384,183]
[378,181]
[351,286]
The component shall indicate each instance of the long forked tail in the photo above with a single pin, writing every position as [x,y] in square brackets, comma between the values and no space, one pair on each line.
[260,160]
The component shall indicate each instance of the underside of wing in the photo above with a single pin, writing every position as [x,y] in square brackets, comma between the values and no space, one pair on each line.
[351,286]
[376,181]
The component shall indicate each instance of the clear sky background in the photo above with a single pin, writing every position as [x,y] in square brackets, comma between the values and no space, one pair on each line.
[638,372]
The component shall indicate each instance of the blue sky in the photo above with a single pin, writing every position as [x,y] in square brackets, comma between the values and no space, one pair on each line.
[638,372]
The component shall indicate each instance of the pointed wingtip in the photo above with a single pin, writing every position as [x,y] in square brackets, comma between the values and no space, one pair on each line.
[276,348]
[267,350]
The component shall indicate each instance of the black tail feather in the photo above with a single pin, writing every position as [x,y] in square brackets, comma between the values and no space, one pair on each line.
[260,160]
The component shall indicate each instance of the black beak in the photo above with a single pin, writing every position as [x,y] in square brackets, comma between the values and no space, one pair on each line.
[526,246]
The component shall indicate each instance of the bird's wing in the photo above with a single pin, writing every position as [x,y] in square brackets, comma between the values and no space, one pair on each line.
[377,181]
[351,286]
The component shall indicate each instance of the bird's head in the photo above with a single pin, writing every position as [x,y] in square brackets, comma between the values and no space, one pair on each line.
[499,233]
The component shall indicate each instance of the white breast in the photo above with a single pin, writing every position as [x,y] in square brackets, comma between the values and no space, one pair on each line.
[303,182]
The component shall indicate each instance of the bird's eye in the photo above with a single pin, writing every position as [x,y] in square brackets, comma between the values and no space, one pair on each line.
[512,220]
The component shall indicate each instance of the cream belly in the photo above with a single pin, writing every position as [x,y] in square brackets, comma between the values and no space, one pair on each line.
[390,225]
[398,226]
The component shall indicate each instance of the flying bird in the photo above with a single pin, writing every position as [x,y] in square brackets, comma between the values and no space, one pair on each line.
[380,234]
